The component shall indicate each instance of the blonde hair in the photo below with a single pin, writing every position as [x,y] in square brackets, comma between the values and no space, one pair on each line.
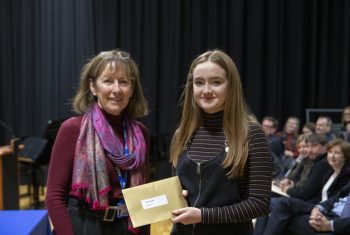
[83,100]
[235,121]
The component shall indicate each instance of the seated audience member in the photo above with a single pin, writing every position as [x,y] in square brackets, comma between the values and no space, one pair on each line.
[295,169]
[287,208]
[331,217]
[317,166]
[307,183]
[345,128]
[324,126]
[289,137]
[308,128]
[345,135]
[270,126]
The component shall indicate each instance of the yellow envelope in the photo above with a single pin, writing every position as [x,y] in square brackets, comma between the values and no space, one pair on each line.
[153,202]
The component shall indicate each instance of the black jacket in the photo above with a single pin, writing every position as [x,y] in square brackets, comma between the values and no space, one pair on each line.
[341,225]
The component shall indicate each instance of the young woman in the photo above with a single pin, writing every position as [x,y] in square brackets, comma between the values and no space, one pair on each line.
[219,152]
[98,154]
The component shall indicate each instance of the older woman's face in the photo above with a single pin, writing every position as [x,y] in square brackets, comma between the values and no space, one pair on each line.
[335,157]
[209,87]
[113,89]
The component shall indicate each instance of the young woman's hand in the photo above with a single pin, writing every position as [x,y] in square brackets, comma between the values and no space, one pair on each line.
[187,215]
[184,193]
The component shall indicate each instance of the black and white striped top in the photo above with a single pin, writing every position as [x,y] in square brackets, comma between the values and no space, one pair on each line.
[255,186]
[209,140]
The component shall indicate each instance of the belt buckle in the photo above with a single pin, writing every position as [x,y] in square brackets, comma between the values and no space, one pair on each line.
[110,212]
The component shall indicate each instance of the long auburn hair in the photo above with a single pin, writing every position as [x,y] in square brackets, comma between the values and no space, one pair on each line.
[235,121]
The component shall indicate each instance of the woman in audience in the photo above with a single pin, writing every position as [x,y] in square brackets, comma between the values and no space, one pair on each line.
[295,169]
[289,137]
[309,128]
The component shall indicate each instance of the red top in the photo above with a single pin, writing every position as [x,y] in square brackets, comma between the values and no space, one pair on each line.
[61,168]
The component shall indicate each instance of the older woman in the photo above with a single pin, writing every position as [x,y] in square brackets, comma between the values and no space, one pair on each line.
[99,153]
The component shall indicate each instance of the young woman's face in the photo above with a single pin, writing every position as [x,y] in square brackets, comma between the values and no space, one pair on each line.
[335,157]
[209,87]
[113,89]
[303,149]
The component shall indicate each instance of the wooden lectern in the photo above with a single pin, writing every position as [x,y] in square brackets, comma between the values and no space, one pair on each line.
[9,176]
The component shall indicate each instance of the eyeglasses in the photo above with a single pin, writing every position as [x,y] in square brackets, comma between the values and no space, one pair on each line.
[114,55]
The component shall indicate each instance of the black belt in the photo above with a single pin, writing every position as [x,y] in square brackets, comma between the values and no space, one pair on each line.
[109,215]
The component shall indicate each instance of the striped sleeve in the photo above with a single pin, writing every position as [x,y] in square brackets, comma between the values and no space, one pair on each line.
[255,185]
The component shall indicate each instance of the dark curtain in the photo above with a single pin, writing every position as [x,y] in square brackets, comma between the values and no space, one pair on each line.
[291,54]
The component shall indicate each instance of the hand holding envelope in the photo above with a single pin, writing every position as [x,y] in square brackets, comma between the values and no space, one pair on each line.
[153,202]
[187,215]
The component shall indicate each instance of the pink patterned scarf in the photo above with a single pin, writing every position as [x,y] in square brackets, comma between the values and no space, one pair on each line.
[97,141]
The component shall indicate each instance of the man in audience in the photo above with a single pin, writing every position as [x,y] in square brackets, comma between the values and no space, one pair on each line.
[323,126]
[270,126]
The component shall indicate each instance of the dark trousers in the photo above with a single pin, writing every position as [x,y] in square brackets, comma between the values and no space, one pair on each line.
[300,226]
[261,222]
[86,222]
[284,210]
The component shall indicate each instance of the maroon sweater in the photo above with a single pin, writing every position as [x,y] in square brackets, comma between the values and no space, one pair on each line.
[61,168]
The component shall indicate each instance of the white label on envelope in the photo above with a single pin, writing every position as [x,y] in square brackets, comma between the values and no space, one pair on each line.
[154,202]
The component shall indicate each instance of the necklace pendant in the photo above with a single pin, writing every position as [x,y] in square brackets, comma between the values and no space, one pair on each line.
[226,146]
